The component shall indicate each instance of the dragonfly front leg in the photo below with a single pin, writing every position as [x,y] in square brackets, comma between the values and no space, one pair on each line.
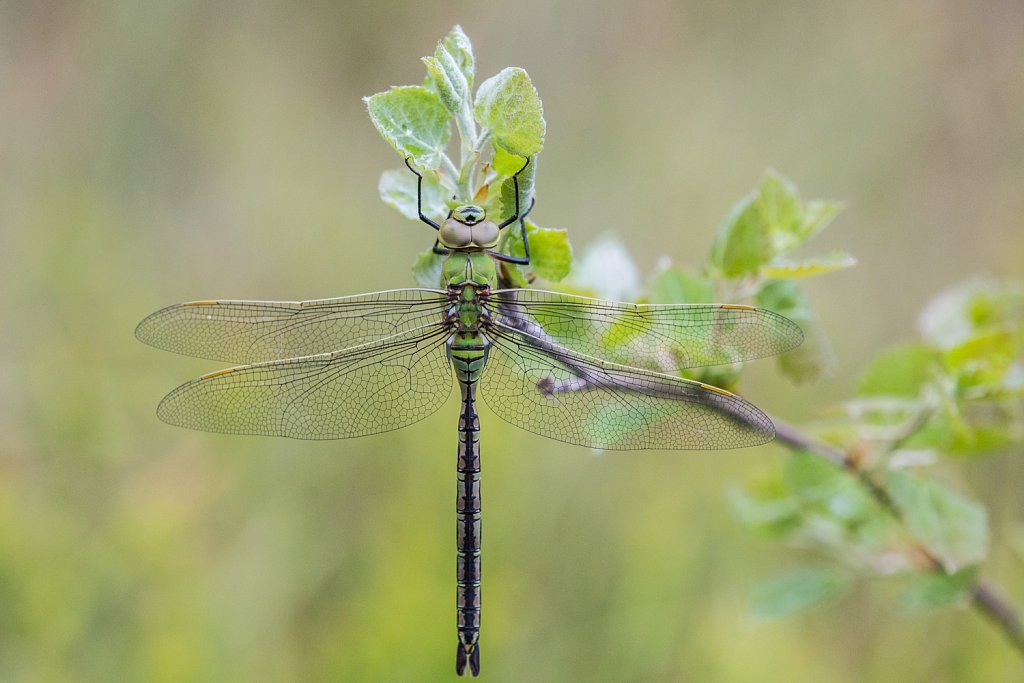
[517,216]
[439,250]
[419,197]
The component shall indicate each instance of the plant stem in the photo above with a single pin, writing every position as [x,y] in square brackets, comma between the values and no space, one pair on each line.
[986,598]
[990,604]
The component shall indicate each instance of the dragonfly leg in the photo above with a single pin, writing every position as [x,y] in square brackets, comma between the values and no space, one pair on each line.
[517,216]
[438,249]
[419,196]
[515,183]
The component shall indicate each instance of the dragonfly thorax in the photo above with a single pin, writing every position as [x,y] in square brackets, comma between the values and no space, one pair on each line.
[468,228]
[468,267]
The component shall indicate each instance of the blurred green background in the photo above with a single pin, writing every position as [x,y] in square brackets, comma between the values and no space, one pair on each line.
[165,151]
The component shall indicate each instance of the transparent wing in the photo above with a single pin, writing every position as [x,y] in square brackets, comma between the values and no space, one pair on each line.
[256,331]
[664,338]
[558,393]
[368,389]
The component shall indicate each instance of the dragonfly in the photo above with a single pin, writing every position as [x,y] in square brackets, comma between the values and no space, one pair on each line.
[584,371]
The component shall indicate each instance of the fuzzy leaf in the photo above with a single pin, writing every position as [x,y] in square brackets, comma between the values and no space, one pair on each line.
[506,163]
[954,528]
[797,591]
[809,267]
[676,286]
[450,71]
[814,357]
[457,44]
[991,349]
[956,314]
[414,121]
[936,590]
[509,107]
[397,188]
[550,253]
[902,371]
[767,509]
[769,223]
[824,488]
[815,217]
[779,204]
[447,80]
[526,181]
[427,269]
[743,243]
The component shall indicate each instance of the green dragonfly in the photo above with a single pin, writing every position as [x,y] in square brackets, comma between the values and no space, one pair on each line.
[584,371]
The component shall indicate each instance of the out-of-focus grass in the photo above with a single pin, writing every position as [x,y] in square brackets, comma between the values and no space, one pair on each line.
[170,151]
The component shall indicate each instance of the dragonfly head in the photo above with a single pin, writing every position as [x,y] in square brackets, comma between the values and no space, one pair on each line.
[468,228]
[469,214]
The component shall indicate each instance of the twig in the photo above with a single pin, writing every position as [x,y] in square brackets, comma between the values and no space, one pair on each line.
[987,600]
[985,597]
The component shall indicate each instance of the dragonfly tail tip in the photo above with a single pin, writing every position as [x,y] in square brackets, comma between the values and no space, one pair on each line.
[467,659]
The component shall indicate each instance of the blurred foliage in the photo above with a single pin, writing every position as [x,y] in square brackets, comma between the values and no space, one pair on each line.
[959,391]
[751,262]
[955,393]
[158,152]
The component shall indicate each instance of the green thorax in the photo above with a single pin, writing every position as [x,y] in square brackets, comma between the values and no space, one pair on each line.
[466,274]
[468,268]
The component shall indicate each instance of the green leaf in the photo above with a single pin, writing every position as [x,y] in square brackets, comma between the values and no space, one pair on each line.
[827,490]
[814,357]
[526,181]
[450,71]
[935,590]
[766,506]
[397,188]
[956,314]
[506,163]
[778,202]
[816,215]
[743,243]
[427,269]
[457,44]
[414,121]
[769,223]
[553,253]
[952,527]
[901,371]
[509,107]
[550,252]
[449,83]
[809,267]
[797,591]
[993,348]
[676,286]
[806,473]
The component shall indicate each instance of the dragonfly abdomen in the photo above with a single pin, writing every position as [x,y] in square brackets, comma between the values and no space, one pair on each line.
[468,353]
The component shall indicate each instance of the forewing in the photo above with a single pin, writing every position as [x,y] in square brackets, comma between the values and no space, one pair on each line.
[257,331]
[555,392]
[663,338]
[368,389]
